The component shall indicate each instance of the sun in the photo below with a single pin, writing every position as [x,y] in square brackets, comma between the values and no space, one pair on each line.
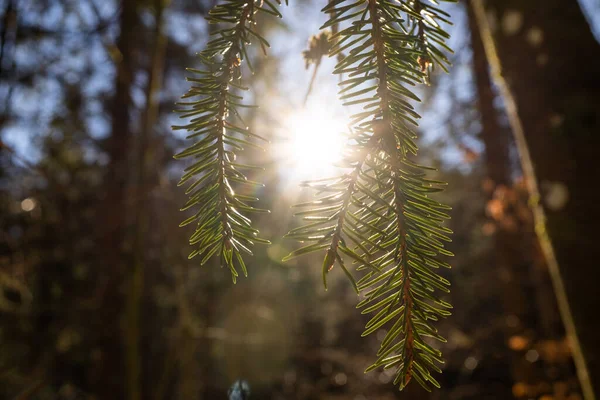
[313,140]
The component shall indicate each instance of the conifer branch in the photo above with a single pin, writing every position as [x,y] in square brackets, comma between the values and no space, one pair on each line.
[222,228]
[380,215]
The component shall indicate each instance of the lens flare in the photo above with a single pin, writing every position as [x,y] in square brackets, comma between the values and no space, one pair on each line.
[313,143]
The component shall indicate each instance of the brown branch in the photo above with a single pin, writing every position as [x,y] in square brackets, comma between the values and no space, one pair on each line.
[388,138]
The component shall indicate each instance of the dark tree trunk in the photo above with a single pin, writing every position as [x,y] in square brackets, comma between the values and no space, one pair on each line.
[517,259]
[508,255]
[137,294]
[495,139]
[8,44]
[509,251]
[119,142]
[113,223]
[549,62]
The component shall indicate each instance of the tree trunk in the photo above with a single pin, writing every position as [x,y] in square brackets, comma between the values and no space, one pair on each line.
[8,43]
[547,62]
[142,189]
[508,255]
[509,252]
[113,216]
[496,142]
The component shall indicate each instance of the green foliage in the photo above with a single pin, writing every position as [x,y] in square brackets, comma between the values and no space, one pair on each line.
[379,216]
[213,103]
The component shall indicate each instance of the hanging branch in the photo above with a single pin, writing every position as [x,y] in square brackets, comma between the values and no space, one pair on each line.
[380,215]
[216,125]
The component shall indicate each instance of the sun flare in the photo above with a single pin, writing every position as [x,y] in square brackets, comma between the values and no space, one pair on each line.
[313,142]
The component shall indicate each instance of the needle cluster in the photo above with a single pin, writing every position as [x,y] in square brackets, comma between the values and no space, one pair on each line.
[213,108]
[378,220]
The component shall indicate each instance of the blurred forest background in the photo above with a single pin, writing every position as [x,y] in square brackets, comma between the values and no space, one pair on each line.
[98,299]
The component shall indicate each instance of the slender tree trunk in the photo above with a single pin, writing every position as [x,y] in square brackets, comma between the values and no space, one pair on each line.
[113,223]
[8,43]
[508,258]
[8,22]
[496,142]
[546,61]
[517,256]
[142,190]
[119,142]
